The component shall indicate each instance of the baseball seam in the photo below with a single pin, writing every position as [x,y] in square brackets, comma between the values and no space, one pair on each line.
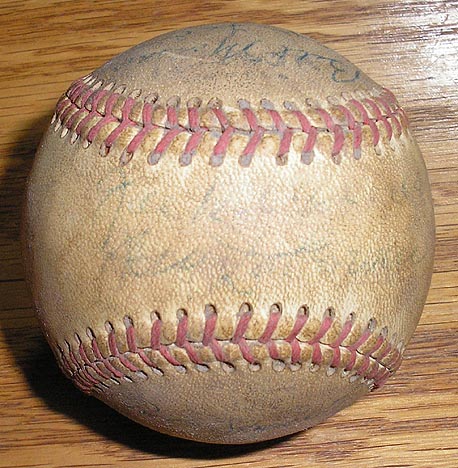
[92,111]
[361,354]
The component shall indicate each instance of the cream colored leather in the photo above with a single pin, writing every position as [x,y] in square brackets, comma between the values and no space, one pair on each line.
[167,238]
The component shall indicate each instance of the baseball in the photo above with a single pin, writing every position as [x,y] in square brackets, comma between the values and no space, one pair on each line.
[228,233]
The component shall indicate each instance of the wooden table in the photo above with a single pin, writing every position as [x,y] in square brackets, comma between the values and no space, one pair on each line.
[410,47]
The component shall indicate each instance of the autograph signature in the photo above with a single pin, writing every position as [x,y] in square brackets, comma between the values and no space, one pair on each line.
[235,46]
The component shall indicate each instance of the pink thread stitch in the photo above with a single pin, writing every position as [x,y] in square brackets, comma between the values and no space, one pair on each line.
[362,355]
[89,112]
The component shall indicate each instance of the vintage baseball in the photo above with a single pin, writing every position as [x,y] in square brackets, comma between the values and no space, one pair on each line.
[229,233]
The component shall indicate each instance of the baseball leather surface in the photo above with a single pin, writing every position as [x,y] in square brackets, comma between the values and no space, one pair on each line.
[229,233]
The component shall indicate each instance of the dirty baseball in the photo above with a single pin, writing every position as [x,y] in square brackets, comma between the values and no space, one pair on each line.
[228,233]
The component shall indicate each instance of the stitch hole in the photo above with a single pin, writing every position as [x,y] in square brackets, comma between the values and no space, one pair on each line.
[128,322]
[370,382]
[127,379]
[243,104]
[181,369]
[181,313]
[288,105]
[216,160]
[202,367]
[400,347]
[245,160]
[73,138]
[345,373]
[330,313]
[185,159]
[215,103]
[173,101]
[303,310]
[194,102]
[88,79]
[153,158]
[115,381]
[307,157]
[86,144]
[157,371]
[104,150]
[209,311]
[125,158]
[281,159]
[90,334]
[77,339]
[295,366]
[151,98]
[312,102]
[227,367]
[141,375]
[245,308]
[97,85]
[313,367]
[357,154]
[155,316]
[120,89]
[254,366]
[354,378]
[64,132]
[109,86]
[372,324]
[57,126]
[330,371]
[278,365]
[108,327]
[92,80]
[136,93]
[266,104]
[384,332]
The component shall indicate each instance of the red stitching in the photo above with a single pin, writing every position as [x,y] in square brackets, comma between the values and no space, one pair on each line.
[239,338]
[164,143]
[87,109]
[301,320]
[339,138]
[105,120]
[208,338]
[182,340]
[367,120]
[350,350]
[105,361]
[271,326]
[221,146]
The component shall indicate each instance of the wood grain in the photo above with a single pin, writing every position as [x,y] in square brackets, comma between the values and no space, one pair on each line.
[408,46]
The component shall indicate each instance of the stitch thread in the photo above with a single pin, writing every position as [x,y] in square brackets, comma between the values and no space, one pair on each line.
[89,112]
[367,356]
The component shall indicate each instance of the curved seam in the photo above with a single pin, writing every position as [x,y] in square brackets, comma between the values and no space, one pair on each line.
[79,107]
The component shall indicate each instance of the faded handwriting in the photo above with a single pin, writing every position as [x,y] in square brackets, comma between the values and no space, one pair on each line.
[236,45]
[226,280]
